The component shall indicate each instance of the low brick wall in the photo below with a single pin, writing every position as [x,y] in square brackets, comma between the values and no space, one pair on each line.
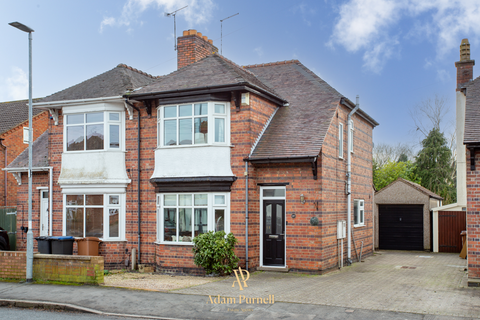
[13,264]
[66,268]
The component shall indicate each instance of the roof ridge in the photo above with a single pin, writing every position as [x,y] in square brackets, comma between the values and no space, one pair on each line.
[123,65]
[294,61]
[13,101]
[235,64]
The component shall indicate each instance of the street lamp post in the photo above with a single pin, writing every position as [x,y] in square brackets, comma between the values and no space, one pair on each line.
[24,28]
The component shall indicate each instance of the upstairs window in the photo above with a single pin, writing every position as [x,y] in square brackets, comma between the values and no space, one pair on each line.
[192,124]
[92,131]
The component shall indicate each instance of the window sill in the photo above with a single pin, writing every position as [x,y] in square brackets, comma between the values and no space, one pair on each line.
[174,243]
[358,225]
[194,146]
[94,151]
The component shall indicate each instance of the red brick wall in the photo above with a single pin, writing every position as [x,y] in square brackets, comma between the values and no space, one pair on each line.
[14,143]
[13,265]
[473,220]
[193,47]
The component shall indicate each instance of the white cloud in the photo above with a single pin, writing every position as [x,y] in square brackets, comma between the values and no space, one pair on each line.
[197,12]
[259,51]
[366,25]
[15,87]
[376,58]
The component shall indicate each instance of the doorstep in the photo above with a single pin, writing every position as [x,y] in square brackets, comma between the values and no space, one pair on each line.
[274,269]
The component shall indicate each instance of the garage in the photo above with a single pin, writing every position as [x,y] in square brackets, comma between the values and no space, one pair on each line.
[402,216]
[401,227]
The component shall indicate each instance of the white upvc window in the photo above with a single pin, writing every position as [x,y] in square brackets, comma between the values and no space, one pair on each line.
[340,140]
[358,213]
[350,138]
[183,216]
[93,131]
[94,215]
[205,123]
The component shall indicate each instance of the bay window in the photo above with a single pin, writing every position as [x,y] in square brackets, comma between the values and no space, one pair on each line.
[94,215]
[92,131]
[181,217]
[192,124]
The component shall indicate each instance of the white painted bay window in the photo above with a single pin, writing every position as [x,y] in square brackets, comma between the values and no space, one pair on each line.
[183,216]
[94,215]
[93,131]
[193,124]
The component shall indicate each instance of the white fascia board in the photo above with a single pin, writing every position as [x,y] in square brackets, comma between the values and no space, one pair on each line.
[94,188]
[449,207]
[64,103]
[26,169]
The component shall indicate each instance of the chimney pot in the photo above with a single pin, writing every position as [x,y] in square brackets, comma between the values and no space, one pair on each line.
[192,32]
[199,34]
[210,41]
[205,38]
[185,33]
[465,50]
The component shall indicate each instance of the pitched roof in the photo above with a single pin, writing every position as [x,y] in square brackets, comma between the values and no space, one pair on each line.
[39,154]
[472,112]
[299,129]
[416,186]
[14,113]
[213,70]
[112,83]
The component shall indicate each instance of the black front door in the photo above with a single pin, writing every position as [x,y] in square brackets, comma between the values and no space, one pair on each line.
[274,233]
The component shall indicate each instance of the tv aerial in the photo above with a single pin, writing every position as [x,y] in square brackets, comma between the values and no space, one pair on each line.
[174,14]
[221,31]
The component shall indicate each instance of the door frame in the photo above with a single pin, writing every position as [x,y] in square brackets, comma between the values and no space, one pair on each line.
[261,222]
[47,214]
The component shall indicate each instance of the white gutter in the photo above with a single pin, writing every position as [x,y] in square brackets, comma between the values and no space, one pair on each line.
[60,104]
[349,183]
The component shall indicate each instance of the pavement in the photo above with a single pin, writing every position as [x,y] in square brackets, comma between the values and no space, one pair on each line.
[388,285]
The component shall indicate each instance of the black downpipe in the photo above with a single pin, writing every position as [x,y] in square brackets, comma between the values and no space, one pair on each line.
[138,176]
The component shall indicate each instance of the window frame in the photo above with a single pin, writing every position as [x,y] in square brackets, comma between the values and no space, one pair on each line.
[211,116]
[107,124]
[211,207]
[359,209]
[340,140]
[106,214]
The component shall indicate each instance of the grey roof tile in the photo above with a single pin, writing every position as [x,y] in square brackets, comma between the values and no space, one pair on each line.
[14,113]
[300,128]
[39,154]
[472,113]
[112,83]
[213,70]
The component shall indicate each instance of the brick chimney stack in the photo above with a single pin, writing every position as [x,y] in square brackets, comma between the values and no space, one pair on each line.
[192,46]
[465,65]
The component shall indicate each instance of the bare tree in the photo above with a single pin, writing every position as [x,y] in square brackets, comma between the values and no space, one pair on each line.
[383,153]
[429,114]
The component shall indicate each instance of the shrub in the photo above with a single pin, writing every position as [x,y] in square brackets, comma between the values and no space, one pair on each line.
[214,252]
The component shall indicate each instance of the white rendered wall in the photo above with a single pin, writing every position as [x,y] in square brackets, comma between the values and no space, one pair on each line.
[461,151]
[94,167]
[192,162]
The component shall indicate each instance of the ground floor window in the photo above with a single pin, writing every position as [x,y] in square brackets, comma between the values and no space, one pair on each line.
[358,212]
[94,215]
[183,216]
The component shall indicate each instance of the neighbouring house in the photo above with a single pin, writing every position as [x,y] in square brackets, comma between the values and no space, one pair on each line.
[261,151]
[81,156]
[468,96]
[402,216]
[13,120]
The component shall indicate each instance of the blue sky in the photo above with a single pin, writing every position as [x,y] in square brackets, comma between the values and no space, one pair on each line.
[393,54]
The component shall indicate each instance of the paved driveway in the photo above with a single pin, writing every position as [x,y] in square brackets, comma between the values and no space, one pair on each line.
[416,282]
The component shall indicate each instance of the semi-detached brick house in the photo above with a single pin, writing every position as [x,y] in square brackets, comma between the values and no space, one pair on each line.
[468,94]
[216,146]
[13,118]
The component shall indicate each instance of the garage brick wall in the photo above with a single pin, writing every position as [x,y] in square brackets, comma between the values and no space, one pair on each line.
[398,192]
